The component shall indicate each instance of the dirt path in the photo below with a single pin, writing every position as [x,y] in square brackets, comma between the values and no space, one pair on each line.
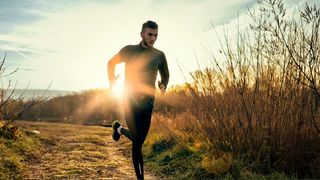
[79,152]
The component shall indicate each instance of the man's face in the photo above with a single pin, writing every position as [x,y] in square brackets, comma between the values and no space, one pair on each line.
[149,36]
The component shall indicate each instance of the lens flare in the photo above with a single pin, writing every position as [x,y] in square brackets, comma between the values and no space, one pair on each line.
[117,90]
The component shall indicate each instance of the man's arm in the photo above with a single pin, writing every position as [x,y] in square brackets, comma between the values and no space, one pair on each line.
[111,67]
[164,73]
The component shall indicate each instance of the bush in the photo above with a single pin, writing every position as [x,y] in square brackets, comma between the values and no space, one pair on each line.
[262,105]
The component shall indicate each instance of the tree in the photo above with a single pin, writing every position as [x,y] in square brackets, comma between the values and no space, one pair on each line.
[12,108]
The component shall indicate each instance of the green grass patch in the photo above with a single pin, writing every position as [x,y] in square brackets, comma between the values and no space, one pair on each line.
[15,152]
[177,162]
[169,158]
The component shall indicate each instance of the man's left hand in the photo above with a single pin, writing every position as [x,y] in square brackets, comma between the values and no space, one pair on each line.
[161,87]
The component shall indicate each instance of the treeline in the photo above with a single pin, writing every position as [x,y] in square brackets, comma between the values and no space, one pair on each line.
[87,107]
[97,106]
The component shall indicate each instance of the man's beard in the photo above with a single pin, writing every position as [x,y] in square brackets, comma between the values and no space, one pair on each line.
[145,43]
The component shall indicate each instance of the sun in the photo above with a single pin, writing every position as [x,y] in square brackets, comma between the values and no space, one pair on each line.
[117,89]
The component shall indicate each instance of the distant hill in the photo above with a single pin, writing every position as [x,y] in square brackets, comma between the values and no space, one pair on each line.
[29,93]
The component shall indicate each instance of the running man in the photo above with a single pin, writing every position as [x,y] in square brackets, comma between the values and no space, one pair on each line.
[142,63]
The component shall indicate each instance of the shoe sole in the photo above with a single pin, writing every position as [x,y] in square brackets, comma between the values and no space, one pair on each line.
[115,134]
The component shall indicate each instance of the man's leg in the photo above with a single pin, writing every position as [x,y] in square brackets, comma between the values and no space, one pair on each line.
[146,116]
[138,119]
[146,108]
[126,132]
[133,119]
[130,112]
[129,119]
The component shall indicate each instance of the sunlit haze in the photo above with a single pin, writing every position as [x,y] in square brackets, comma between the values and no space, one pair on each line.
[118,88]
[69,43]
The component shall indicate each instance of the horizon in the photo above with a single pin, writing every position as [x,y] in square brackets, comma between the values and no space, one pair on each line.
[68,42]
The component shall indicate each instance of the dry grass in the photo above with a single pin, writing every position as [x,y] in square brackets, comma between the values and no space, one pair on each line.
[260,103]
[79,152]
[16,147]
[255,111]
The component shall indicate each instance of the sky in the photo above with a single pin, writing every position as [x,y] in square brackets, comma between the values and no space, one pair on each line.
[67,43]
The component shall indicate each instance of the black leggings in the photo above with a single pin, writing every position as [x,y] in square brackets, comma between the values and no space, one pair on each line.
[138,113]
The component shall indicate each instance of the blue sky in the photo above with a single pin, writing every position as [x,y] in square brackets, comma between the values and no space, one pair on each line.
[69,42]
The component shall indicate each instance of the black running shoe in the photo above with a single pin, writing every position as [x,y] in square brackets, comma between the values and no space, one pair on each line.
[115,134]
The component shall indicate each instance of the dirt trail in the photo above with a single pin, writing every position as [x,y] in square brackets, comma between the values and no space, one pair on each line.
[79,152]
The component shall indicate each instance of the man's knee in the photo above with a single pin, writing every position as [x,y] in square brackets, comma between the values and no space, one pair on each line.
[137,145]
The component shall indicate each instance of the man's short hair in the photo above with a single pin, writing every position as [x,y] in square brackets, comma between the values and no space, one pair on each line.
[149,24]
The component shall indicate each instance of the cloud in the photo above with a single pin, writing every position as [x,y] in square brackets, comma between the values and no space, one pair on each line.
[210,39]
[15,13]
[82,35]
[52,37]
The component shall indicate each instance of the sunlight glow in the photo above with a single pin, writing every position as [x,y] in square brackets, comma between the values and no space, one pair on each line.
[87,35]
[118,88]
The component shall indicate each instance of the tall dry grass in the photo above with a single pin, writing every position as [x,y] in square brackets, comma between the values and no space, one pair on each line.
[261,102]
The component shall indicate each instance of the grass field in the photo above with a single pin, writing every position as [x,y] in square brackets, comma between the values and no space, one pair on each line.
[75,152]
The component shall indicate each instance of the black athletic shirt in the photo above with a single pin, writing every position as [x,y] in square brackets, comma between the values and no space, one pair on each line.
[142,65]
